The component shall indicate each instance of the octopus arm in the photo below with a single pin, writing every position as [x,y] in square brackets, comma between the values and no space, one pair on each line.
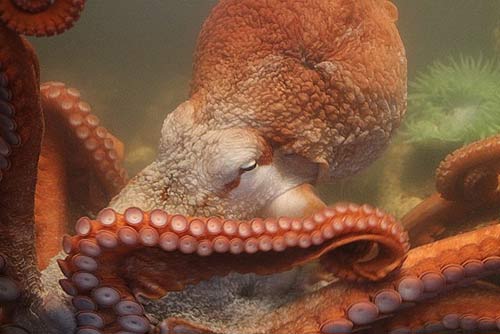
[117,258]
[41,17]
[471,172]
[430,272]
[472,308]
[79,167]
[21,127]
[468,193]
[95,144]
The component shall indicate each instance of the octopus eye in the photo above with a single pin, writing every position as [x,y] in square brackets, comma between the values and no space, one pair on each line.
[249,166]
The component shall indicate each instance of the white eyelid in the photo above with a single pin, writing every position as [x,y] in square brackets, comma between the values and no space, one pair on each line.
[249,166]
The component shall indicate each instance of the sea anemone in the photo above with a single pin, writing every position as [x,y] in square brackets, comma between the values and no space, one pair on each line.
[454,102]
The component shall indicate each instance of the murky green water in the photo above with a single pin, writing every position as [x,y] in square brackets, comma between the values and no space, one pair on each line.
[132,62]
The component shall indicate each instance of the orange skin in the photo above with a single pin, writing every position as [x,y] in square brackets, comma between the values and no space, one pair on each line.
[74,177]
[325,80]
[40,17]
[333,301]
[18,182]
[467,193]
[128,270]
[331,82]
[475,306]
[42,188]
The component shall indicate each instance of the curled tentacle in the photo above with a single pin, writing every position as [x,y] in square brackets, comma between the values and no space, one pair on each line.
[472,308]
[79,167]
[468,193]
[111,260]
[471,173]
[40,17]
[428,271]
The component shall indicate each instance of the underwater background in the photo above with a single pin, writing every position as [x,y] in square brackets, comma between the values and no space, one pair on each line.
[132,59]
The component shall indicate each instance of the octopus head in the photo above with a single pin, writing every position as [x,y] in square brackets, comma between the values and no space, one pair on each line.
[316,103]
[234,171]
[285,94]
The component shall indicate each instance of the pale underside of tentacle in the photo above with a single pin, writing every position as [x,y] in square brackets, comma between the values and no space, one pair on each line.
[116,258]
[430,272]
[40,17]
[473,308]
[79,167]
[103,150]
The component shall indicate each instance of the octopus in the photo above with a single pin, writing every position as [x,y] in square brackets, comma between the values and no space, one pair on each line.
[467,192]
[223,233]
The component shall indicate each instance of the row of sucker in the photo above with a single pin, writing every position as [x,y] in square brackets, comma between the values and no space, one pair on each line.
[207,235]
[33,6]
[455,322]
[471,172]
[413,287]
[9,289]
[95,139]
[40,17]
[9,138]
[105,303]
[470,309]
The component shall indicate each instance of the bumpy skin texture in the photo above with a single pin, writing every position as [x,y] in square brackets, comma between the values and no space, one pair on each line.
[343,65]
[323,79]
